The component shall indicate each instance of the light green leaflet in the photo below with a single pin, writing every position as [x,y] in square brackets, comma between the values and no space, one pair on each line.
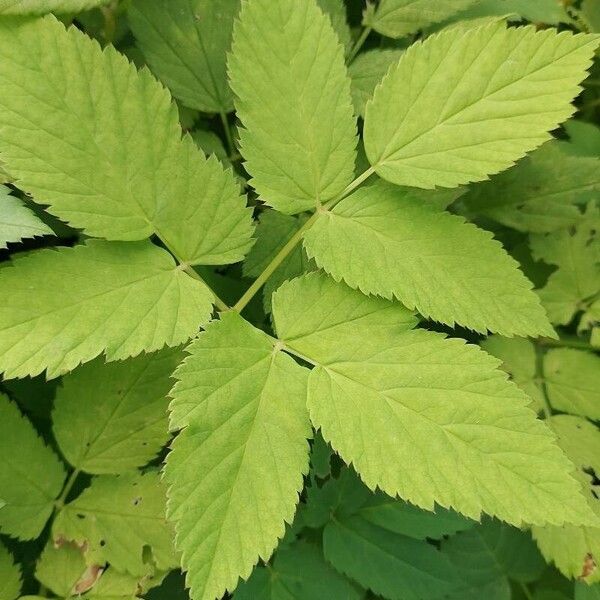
[434,262]
[299,569]
[463,105]
[540,194]
[60,569]
[121,520]
[576,283]
[236,469]
[186,44]
[569,547]
[110,418]
[109,157]
[31,476]
[366,71]
[16,221]
[113,297]
[392,565]
[293,99]
[10,576]
[39,7]
[452,429]
[397,18]
[519,360]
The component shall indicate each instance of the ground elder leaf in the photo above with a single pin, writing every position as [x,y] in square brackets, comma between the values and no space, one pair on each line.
[10,575]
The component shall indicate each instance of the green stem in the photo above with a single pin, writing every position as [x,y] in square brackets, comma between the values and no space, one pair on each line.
[539,372]
[110,22]
[294,241]
[359,43]
[60,502]
[228,136]
[526,591]
[565,343]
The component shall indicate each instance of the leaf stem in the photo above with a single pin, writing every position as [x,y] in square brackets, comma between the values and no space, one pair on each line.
[294,241]
[359,43]
[539,372]
[60,502]
[228,136]
[526,591]
[566,343]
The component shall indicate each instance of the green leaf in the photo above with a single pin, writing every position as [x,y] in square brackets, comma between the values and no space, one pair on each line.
[395,566]
[186,44]
[31,476]
[584,138]
[235,471]
[109,157]
[383,241]
[493,550]
[61,569]
[40,7]
[16,221]
[210,143]
[519,360]
[120,298]
[336,11]
[583,591]
[540,194]
[366,71]
[464,105]
[118,518]
[572,380]
[110,418]
[299,571]
[423,417]
[293,99]
[573,286]
[574,550]
[397,18]
[10,576]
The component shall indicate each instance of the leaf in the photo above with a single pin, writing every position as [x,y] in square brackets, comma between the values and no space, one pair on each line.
[383,241]
[109,158]
[336,11]
[118,518]
[39,7]
[572,380]
[574,284]
[519,360]
[493,550]
[31,476]
[366,71]
[210,143]
[235,471]
[584,138]
[426,418]
[110,418]
[540,194]
[16,221]
[397,567]
[10,576]
[186,43]
[293,99]
[298,571]
[120,298]
[576,550]
[397,18]
[583,591]
[61,568]
[469,104]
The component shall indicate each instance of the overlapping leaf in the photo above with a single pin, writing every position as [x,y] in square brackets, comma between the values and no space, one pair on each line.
[10,576]
[452,429]
[108,157]
[383,241]
[236,469]
[463,105]
[117,298]
[39,7]
[293,98]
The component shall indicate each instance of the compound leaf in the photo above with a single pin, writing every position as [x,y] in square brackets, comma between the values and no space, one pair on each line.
[10,576]
[236,469]
[186,44]
[383,241]
[293,98]
[109,157]
[117,297]
[16,221]
[118,518]
[31,476]
[463,105]
[443,424]
[112,417]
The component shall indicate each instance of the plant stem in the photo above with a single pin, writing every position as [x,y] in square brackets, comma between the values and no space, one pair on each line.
[539,372]
[566,343]
[228,136]
[359,43]
[295,240]
[60,502]
[526,591]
